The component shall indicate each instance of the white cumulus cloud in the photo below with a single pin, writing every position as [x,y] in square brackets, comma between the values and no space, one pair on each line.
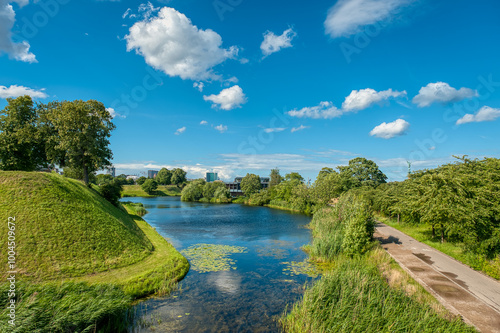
[16,91]
[180,130]
[364,98]
[441,92]
[221,128]
[203,122]
[273,43]
[228,99]
[486,113]
[391,130]
[169,42]
[15,50]
[347,17]
[325,110]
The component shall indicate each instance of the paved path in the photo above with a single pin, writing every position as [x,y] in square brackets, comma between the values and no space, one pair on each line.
[474,296]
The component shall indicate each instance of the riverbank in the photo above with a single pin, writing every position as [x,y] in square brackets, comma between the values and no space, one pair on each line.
[162,191]
[81,260]
[365,290]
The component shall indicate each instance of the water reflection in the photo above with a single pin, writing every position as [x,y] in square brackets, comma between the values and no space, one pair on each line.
[248,297]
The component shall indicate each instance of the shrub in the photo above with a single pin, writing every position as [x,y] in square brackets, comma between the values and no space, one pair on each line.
[111,191]
[149,186]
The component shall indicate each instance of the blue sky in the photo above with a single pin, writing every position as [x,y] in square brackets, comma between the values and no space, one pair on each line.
[242,86]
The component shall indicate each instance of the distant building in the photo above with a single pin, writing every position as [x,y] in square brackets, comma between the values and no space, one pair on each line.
[211,177]
[235,187]
[133,177]
[152,173]
[112,171]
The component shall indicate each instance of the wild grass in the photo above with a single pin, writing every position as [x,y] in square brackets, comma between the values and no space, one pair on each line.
[162,191]
[67,307]
[422,233]
[362,290]
[65,229]
[354,297]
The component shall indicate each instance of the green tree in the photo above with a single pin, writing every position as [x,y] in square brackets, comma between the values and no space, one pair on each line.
[324,172]
[103,179]
[294,176]
[111,191]
[222,195]
[275,177]
[141,180]
[193,191]
[250,184]
[79,135]
[164,177]
[361,172]
[327,186]
[178,177]
[209,189]
[149,186]
[22,146]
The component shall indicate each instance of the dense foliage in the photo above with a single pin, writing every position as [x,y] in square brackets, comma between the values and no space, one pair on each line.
[199,190]
[73,134]
[460,199]
[149,186]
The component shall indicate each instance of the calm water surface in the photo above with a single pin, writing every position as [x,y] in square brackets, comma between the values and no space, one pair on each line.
[251,295]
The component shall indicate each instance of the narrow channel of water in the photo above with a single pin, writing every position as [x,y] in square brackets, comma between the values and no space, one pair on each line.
[257,266]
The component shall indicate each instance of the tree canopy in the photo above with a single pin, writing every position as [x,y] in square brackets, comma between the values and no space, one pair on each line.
[250,184]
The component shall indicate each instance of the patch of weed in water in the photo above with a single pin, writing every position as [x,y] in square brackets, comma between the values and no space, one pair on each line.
[212,257]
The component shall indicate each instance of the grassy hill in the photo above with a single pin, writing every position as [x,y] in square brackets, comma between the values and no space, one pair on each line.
[64,229]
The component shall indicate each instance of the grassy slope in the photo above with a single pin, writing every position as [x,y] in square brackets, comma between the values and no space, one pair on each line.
[158,273]
[162,191]
[369,293]
[423,234]
[64,229]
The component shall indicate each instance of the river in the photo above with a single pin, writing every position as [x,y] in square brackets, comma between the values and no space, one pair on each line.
[257,266]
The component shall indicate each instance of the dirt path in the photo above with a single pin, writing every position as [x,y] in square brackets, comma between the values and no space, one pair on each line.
[462,290]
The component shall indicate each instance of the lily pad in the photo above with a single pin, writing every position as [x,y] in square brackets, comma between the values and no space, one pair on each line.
[295,268]
[212,257]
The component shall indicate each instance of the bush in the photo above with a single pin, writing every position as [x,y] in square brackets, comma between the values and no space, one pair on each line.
[150,186]
[193,191]
[222,195]
[111,191]
[141,180]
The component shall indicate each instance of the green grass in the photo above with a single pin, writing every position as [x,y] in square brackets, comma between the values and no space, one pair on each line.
[157,274]
[67,307]
[65,229]
[356,297]
[423,233]
[162,191]
[362,293]
[82,261]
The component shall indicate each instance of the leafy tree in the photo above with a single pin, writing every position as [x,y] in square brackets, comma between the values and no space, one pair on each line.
[149,186]
[328,185]
[193,191]
[178,177]
[111,191]
[103,179]
[164,177]
[324,172]
[275,177]
[141,180]
[222,194]
[250,184]
[294,175]
[79,135]
[361,171]
[78,174]
[22,144]
[209,189]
